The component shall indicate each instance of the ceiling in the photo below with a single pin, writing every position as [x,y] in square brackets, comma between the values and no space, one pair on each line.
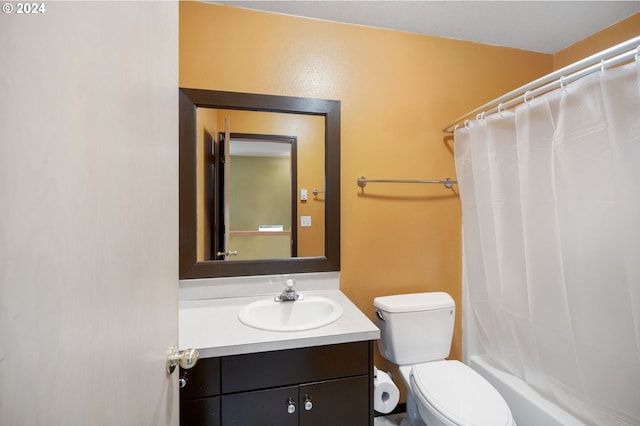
[540,26]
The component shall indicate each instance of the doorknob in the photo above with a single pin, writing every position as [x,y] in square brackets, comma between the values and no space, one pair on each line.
[186,358]
[227,253]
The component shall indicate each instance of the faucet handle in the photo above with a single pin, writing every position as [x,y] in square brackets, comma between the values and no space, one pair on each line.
[288,294]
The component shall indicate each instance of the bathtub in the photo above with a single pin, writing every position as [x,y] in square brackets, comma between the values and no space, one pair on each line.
[527,406]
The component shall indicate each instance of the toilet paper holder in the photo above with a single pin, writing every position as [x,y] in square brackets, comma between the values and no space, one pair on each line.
[386,393]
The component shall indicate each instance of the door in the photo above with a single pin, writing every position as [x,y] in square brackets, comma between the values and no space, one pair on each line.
[89,226]
[227,182]
[222,160]
[261,193]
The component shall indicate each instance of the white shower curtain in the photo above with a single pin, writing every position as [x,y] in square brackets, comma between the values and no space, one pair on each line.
[551,220]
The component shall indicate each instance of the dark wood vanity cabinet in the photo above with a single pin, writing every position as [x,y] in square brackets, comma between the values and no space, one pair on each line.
[324,385]
[200,393]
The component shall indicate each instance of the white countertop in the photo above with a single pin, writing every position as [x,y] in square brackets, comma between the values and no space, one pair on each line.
[212,327]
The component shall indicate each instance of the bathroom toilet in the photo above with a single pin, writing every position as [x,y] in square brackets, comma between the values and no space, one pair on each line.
[416,331]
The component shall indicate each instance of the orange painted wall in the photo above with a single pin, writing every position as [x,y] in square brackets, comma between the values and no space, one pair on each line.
[622,31]
[398,90]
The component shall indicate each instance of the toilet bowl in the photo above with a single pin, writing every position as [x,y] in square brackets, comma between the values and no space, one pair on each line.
[416,333]
[451,393]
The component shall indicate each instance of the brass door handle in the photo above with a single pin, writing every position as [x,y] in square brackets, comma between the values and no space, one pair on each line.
[227,253]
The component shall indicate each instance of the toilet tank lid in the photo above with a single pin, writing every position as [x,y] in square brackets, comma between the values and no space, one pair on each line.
[414,302]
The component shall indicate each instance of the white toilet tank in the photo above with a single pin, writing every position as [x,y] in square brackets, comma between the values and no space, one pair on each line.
[415,328]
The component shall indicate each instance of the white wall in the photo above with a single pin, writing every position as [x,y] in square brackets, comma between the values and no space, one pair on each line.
[88,213]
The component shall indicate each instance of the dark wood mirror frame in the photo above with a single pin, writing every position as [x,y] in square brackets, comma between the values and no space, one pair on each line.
[189,266]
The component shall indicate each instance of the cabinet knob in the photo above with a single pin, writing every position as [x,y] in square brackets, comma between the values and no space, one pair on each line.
[182,382]
[291,406]
[308,405]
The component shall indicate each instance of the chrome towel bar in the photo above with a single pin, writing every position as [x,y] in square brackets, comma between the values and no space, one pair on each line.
[448,183]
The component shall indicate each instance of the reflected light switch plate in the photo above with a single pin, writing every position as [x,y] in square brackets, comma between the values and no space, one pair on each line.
[305,221]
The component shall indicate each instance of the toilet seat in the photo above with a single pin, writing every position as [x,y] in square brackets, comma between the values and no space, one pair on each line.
[459,394]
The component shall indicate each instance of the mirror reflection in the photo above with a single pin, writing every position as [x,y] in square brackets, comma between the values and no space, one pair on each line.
[251,202]
[261,200]
[245,210]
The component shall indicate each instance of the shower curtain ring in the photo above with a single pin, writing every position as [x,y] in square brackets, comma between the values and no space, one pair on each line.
[526,96]
[602,67]
[466,124]
[562,82]
[480,116]
[637,53]
[500,111]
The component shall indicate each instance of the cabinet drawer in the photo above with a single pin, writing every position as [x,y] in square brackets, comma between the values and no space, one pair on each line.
[293,366]
[202,380]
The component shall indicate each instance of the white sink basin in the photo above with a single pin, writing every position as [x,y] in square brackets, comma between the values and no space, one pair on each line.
[306,314]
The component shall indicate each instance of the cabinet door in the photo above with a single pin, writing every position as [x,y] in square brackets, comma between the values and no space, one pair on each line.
[269,407]
[200,412]
[341,402]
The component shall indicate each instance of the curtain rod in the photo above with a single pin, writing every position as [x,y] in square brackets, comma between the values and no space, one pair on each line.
[609,57]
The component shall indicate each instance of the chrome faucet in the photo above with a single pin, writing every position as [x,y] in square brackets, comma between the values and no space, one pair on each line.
[288,294]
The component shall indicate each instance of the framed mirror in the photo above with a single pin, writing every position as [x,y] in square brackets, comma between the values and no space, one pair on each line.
[313,239]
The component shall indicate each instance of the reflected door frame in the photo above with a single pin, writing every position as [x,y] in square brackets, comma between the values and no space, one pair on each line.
[218,180]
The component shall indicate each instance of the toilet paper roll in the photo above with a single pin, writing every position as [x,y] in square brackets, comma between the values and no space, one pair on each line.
[385,393]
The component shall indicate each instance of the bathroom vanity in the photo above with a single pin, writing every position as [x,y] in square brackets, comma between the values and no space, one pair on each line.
[283,375]
[307,386]
[247,376]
